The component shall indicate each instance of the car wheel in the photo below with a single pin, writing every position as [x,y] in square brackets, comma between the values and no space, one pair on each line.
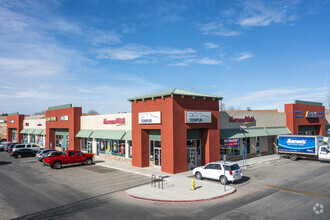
[57,165]
[19,156]
[198,176]
[89,161]
[294,157]
[223,180]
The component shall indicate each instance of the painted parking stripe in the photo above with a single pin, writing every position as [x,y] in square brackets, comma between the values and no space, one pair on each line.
[296,191]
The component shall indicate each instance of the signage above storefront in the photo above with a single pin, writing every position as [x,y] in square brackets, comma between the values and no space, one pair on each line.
[65,118]
[39,124]
[311,114]
[12,121]
[198,117]
[118,121]
[234,142]
[26,124]
[245,119]
[149,118]
[51,119]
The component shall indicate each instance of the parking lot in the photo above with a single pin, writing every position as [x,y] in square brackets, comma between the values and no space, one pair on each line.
[280,189]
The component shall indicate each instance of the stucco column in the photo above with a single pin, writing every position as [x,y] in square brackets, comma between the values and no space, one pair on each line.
[94,146]
[140,151]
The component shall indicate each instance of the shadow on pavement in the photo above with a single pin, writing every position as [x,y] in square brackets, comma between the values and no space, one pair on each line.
[99,161]
[4,162]
[242,181]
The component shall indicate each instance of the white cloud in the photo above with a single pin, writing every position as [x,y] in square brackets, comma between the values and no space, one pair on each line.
[204,61]
[257,13]
[135,51]
[104,37]
[211,45]
[243,56]
[216,28]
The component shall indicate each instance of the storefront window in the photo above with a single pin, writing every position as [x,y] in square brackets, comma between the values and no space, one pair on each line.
[58,140]
[39,139]
[112,147]
[32,138]
[87,144]
[130,149]
[230,147]
[25,138]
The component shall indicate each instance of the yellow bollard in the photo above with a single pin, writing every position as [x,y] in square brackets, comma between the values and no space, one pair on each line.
[193,184]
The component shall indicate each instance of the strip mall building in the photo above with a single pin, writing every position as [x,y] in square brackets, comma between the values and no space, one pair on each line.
[175,130]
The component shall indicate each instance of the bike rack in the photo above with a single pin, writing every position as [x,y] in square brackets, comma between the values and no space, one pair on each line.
[159,180]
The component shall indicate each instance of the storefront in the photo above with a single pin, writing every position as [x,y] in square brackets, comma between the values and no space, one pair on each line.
[14,127]
[175,130]
[107,136]
[62,126]
[256,131]
[305,118]
[34,130]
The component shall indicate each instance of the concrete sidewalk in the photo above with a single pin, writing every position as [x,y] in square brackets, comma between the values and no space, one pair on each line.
[176,187]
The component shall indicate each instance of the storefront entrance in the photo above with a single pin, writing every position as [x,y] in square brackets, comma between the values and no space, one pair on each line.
[155,152]
[62,139]
[194,153]
[14,135]
[307,130]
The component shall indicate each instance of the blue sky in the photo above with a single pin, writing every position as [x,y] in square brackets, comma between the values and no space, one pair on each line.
[96,54]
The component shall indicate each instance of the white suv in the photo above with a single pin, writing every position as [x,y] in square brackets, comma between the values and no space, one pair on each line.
[215,171]
[30,146]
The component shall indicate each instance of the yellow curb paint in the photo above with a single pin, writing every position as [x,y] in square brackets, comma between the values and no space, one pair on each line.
[296,191]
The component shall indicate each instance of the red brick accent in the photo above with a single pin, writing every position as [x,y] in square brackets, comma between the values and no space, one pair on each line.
[73,124]
[174,131]
[18,124]
[293,123]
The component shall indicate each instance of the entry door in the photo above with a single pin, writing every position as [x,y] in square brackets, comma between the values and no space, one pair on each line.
[191,153]
[157,156]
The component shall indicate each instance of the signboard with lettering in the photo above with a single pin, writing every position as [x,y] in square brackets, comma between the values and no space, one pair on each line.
[198,117]
[311,114]
[12,121]
[39,124]
[64,118]
[245,119]
[26,124]
[118,121]
[149,118]
[233,142]
[51,119]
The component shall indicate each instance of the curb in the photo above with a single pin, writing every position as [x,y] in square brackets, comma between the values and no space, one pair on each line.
[121,169]
[180,201]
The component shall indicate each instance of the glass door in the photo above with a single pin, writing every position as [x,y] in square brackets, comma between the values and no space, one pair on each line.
[157,155]
[194,153]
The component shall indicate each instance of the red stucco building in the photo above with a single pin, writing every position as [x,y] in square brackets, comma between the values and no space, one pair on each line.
[169,125]
[14,127]
[305,118]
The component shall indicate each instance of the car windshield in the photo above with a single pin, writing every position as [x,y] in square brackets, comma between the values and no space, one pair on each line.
[232,167]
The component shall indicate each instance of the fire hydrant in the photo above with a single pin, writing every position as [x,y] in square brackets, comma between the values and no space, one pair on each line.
[193,184]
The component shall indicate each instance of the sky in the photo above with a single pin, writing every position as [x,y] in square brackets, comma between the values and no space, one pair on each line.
[96,54]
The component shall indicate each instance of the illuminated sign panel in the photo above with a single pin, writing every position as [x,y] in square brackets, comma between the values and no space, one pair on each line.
[198,117]
[149,118]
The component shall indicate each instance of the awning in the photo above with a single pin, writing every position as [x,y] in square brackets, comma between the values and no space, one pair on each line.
[231,133]
[108,134]
[255,132]
[38,131]
[23,131]
[127,136]
[84,133]
[43,132]
[29,131]
[278,131]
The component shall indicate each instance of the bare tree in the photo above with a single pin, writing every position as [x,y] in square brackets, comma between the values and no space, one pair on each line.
[233,108]
[40,113]
[327,105]
[92,112]
[222,107]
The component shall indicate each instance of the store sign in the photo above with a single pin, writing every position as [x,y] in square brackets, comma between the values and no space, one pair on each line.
[26,124]
[119,121]
[12,121]
[149,118]
[2,121]
[51,119]
[65,118]
[231,142]
[39,124]
[245,119]
[198,117]
[311,114]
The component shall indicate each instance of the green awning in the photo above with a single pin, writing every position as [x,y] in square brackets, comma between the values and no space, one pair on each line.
[154,135]
[278,131]
[23,131]
[127,136]
[231,133]
[84,133]
[255,132]
[29,131]
[43,132]
[108,134]
[38,131]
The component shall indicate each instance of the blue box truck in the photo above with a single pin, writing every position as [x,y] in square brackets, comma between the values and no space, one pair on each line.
[296,146]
